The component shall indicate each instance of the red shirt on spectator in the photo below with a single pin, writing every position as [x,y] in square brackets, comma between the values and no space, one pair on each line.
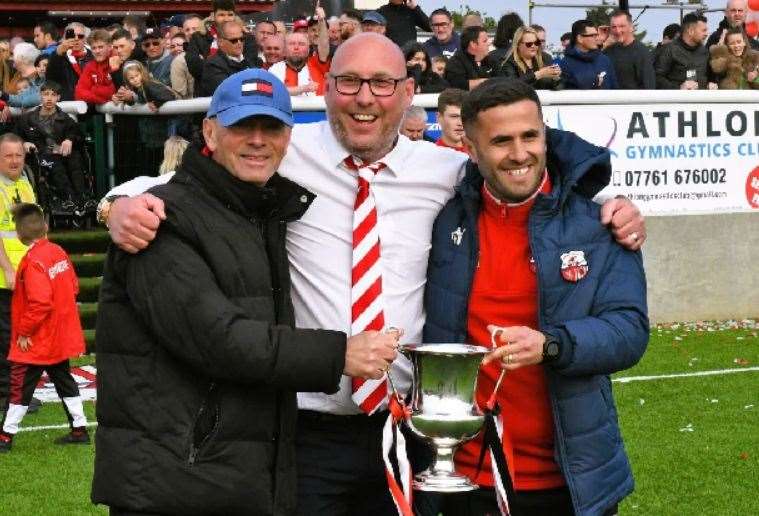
[95,85]
[314,70]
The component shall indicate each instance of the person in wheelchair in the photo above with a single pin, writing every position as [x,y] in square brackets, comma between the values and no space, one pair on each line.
[57,141]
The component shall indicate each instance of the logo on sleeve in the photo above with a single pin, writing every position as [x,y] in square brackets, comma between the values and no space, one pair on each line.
[457,235]
[573,266]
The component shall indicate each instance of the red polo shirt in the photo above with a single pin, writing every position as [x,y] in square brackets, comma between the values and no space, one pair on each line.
[505,293]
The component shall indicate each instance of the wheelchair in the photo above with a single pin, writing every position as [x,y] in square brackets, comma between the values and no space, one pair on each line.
[62,213]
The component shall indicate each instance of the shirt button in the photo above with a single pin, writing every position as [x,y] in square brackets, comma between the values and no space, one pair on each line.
[303,198]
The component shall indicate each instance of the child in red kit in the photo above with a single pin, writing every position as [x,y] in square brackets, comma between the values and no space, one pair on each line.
[45,328]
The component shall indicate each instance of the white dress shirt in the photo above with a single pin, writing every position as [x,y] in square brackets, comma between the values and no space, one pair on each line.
[418,180]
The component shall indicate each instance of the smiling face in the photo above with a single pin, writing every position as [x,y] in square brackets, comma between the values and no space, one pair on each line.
[153,47]
[250,150]
[736,44]
[190,27]
[365,124]
[528,46]
[274,49]
[100,50]
[442,27]
[11,159]
[508,144]
[587,40]
[622,29]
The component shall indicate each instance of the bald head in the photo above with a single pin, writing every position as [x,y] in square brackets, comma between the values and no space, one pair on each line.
[296,49]
[735,12]
[361,46]
[366,123]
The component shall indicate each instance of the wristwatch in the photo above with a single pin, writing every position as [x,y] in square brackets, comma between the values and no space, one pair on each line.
[550,348]
[104,208]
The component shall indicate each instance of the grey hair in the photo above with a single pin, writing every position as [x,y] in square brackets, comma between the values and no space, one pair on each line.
[74,25]
[415,112]
[25,53]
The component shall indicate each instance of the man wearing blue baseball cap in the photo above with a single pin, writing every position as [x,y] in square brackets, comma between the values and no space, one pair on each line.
[198,359]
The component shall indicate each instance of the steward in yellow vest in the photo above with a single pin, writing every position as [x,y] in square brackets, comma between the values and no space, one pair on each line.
[14,189]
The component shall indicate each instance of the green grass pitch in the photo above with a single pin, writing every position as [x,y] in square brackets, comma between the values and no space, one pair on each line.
[693,441]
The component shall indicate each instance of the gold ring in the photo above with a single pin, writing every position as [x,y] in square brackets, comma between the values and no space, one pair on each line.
[509,358]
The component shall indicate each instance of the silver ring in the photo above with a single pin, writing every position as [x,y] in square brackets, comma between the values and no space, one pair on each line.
[509,358]
[634,236]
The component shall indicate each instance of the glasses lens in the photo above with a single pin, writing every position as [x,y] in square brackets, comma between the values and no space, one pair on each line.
[347,85]
[541,41]
[151,44]
[234,41]
[382,87]
[529,44]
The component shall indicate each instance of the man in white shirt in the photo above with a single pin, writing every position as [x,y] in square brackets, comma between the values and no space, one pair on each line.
[340,468]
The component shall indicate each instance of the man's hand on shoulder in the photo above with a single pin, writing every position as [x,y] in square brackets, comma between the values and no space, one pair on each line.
[627,223]
[133,221]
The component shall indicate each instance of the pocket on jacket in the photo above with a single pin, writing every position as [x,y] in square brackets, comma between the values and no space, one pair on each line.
[206,424]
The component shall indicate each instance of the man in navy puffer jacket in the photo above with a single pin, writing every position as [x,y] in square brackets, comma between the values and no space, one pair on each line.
[520,251]
[584,66]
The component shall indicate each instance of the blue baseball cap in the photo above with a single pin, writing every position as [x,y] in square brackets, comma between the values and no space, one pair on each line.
[374,17]
[251,92]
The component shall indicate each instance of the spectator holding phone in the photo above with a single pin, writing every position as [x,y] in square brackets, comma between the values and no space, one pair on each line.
[69,59]
[527,62]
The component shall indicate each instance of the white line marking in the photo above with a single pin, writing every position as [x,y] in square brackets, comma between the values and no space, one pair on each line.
[683,375]
[49,427]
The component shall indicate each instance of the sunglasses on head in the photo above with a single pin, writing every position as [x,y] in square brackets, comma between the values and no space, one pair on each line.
[234,41]
[151,43]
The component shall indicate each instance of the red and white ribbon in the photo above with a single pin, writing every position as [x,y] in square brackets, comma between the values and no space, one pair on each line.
[391,433]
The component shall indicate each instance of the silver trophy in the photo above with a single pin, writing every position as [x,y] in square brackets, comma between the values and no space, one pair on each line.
[442,408]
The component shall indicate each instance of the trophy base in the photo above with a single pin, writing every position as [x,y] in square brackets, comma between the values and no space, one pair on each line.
[443,482]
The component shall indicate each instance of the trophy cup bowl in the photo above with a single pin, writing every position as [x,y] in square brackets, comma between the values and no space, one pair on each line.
[442,408]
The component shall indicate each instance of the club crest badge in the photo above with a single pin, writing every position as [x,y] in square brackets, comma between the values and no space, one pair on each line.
[457,235]
[573,266]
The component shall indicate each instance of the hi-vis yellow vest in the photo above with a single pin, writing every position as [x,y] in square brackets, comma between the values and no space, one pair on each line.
[12,192]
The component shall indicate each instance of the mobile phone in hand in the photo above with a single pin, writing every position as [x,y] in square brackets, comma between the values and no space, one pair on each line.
[69,34]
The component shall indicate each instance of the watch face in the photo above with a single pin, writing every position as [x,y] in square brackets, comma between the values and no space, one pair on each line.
[553,349]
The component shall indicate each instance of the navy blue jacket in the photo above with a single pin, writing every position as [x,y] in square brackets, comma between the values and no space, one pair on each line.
[601,320]
[579,70]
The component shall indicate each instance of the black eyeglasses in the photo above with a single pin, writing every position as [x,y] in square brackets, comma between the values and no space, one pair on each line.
[80,36]
[151,43]
[593,35]
[441,24]
[234,41]
[350,85]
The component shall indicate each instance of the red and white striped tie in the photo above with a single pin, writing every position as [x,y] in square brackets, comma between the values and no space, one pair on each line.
[366,280]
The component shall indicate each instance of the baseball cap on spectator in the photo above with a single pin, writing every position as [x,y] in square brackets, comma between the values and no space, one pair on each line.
[176,21]
[374,17]
[251,92]
[300,23]
[151,33]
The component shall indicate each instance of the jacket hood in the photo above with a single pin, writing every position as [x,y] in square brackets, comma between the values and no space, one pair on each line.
[582,56]
[572,163]
[280,198]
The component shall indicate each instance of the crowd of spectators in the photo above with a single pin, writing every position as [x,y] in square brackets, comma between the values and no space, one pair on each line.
[190,55]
